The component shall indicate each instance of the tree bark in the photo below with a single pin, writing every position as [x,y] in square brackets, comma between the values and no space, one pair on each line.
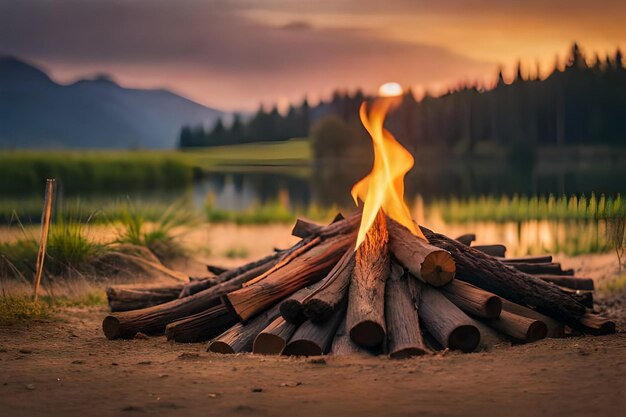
[133,297]
[520,328]
[273,339]
[321,303]
[472,300]
[366,307]
[304,270]
[404,337]
[429,263]
[216,269]
[240,337]
[492,275]
[201,326]
[313,339]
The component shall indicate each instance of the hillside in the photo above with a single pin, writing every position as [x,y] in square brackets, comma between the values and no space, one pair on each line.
[35,111]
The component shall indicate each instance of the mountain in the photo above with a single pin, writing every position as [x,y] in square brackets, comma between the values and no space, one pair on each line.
[35,111]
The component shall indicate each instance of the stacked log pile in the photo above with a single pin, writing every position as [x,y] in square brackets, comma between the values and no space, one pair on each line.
[396,294]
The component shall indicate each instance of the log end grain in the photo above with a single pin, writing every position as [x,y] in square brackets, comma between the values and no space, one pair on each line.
[408,353]
[536,331]
[111,327]
[302,348]
[292,311]
[438,268]
[464,338]
[367,333]
[218,346]
[318,310]
[268,344]
[493,307]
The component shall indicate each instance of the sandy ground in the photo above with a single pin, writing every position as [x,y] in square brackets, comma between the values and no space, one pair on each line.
[66,367]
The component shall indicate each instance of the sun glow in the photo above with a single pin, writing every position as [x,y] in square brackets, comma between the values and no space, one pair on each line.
[383,187]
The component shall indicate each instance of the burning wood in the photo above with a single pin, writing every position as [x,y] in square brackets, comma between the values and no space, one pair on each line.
[365,284]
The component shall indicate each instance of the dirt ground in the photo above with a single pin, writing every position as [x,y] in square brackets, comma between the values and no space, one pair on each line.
[67,367]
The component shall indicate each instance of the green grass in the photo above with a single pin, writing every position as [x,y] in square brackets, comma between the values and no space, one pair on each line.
[238,252]
[15,309]
[516,208]
[25,171]
[159,235]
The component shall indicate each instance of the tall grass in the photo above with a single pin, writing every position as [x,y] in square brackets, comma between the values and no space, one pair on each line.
[159,235]
[522,208]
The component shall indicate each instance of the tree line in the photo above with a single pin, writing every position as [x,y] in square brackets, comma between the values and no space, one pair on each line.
[581,102]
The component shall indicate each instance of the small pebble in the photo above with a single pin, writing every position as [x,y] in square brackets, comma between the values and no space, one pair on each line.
[213,395]
[26,351]
[30,386]
[291,384]
[141,336]
[257,389]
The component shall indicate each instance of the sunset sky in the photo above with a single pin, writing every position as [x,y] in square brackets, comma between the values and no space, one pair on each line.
[235,54]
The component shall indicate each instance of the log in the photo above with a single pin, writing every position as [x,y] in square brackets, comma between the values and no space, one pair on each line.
[427,262]
[485,272]
[216,270]
[344,346]
[404,336]
[153,319]
[551,268]
[452,328]
[583,297]
[595,324]
[555,329]
[528,259]
[366,307]
[240,337]
[304,228]
[273,339]
[304,270]
[492,250]
[467,239]
[321,303]
[473,300]
[248,271]
[314,339]
[574,283]
[292,308]
[520,328]
[201,326]
[133,297]
[489,338]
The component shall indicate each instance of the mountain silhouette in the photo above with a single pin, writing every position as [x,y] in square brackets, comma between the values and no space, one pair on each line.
[35,111]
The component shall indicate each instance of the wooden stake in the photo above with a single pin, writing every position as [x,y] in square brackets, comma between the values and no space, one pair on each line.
[45,228]
[366,307]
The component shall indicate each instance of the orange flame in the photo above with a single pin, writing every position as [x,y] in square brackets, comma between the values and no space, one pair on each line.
[383,187]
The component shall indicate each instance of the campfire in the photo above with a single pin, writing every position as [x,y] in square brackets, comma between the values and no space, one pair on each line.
[374,282]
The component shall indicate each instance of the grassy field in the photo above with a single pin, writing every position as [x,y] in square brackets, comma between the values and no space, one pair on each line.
[25,171]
